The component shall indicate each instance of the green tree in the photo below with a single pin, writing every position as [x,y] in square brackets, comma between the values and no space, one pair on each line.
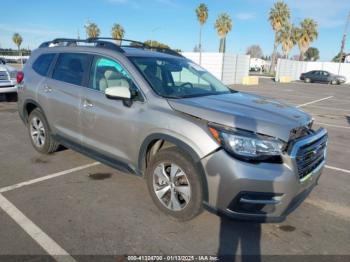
[154,43]
[92,30]
[17,40]
[202,16]
[254,51]
[279,17]
[117,33]
[312,54]
[305,35]
[286,37]
[223,26]
[336,58]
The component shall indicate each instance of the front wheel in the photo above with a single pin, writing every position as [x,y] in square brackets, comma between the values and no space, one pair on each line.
[334,82]
[39,133]
[174,184]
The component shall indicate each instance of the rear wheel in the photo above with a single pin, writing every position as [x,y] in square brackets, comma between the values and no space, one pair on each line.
[307,80]
[174,184]
[39,133]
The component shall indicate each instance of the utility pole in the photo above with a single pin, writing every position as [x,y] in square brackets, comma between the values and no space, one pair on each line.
[343,42]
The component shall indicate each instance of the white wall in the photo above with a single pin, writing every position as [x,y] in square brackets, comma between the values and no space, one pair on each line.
[229,68]
[235,68]
[294,69]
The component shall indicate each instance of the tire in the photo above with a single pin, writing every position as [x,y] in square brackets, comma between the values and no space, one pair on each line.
[334,82]
[42,141]
[184,204]
[307,80]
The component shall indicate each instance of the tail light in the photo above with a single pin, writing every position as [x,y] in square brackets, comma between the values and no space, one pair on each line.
[19,77]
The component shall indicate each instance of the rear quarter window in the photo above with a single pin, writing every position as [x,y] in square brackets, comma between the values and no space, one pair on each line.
[42,64]
[71,68]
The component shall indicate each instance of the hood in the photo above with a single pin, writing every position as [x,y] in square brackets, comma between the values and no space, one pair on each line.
[245,111]
[338,76]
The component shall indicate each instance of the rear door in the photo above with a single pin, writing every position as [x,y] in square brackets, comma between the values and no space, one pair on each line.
[109,126]
[317,77]
[63,91]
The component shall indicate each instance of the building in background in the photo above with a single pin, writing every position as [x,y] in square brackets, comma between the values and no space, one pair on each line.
[258,64]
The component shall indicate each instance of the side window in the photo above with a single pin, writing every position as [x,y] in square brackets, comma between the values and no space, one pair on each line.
[42,64]
[70,68]
[108,73]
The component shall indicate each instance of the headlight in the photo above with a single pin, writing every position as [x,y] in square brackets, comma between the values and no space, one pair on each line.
[248,146]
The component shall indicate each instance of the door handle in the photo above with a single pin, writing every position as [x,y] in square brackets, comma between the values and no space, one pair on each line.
[87,104]
[47,89]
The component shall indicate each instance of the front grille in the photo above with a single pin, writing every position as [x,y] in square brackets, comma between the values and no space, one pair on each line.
[310,156]
[4,75]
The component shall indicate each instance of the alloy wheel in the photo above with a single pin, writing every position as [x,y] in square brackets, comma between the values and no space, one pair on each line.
[37,132]
[171,186]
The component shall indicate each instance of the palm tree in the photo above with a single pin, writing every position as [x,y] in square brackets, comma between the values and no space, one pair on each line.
[92,30]
[305,35]
[202,16]
[223,26]
[279,17]
[286,38]
[17,39]
[118,33]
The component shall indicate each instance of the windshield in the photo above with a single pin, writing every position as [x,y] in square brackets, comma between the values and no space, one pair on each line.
[178,78]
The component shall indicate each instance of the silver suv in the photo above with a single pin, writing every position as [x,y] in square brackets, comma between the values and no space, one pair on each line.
[155,114]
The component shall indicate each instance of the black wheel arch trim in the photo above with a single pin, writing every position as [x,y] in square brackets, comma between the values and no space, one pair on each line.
[24,111]
[183,146]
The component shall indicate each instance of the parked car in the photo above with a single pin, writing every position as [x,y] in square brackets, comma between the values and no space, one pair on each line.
[321,76]
[154,113]
[8,80]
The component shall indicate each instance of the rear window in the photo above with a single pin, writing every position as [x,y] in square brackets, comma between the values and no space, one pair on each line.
[71,68]
[42,64]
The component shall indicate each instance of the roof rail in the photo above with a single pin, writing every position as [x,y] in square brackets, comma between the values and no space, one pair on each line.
[138,44]
[74,42]
[164,50]
[132,42]
[100,42]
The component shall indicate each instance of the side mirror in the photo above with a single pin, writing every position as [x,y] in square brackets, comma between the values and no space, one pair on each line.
[118,92]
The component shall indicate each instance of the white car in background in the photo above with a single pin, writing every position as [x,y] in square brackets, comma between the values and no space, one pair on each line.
[8,81]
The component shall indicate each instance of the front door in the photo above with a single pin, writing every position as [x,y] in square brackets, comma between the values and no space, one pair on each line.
[325,77]
[109,126]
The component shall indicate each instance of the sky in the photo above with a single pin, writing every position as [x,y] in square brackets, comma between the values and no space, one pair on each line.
[173,22]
